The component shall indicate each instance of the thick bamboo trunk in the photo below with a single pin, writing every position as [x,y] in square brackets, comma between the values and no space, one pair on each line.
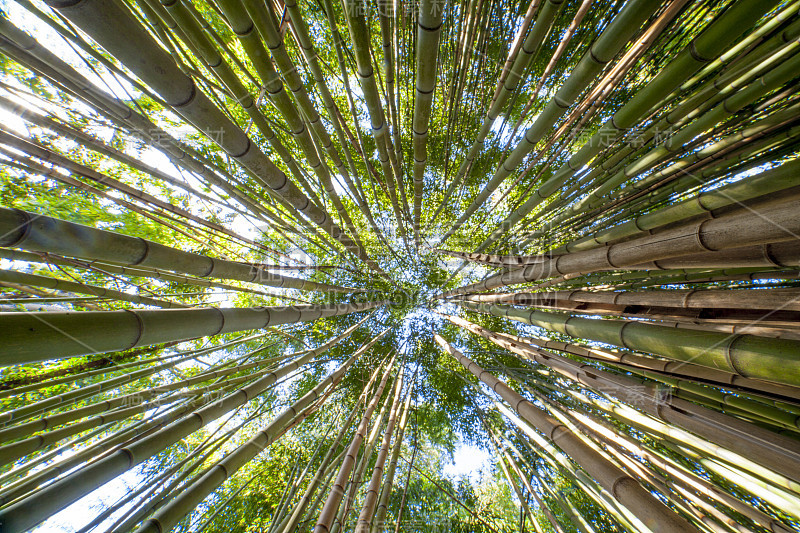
[32,510]
[429,29]
[34,337]
[766,448]
[681,475]
[113,28]
[782,299]
[776,324]
[773,221]
[747,355]
[329,510]
[770,181]
[624,488]
[41,60]
[674,369]
[100,147]
[359,36]
[39,233]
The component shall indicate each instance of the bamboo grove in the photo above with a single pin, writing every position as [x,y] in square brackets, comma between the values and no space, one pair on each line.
[279,265]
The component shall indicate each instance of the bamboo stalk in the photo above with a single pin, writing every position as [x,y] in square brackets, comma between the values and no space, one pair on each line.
[764,447]
[623,487]
[703,49]
[738,228]
[133,47]
[169,515]
[328,513]
[34,337]
[611,41]
[39,233]
[30,511]
[429,29]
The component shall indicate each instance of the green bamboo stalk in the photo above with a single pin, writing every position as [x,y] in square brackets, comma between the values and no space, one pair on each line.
[291,522]
[429,29]
[9,453]
[603,50]
[188,464]
[763,447]
[41,60]
[508,83]
[624,488]
[541,447]
[107,268]
[39,233]
[34,482]
[127,41]
[390,47]
[182,19]
[342,519]
[338,45]
[646,366]
[503,457]
[743,227]
[336,494]
[734,150]
[708,46]
[182,14]
[643,472]
[747,355]
[43,336]
[379,519]
[30,511]
[359,37]
[304,39]
[100,147]
[680,140]
[771,299]
[136,398]
[87,391]
[680,475]
[770,181]
[371,496]
[309,52]
[79,372]
[83,288]
[776,489]
[752,152]
[267,25]
[169,515]
[447,492]
[716,90]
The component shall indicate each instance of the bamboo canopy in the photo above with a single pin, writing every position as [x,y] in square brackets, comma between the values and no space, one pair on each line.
[400,265]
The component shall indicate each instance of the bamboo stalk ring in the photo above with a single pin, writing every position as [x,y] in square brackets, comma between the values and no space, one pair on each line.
[140,329]
[25,225]
[728,349]
[685,301]
[222,320]
[622,334]
[698,235]
[770,257]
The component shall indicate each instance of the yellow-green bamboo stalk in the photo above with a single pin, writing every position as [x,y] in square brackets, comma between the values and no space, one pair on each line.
[623,487]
